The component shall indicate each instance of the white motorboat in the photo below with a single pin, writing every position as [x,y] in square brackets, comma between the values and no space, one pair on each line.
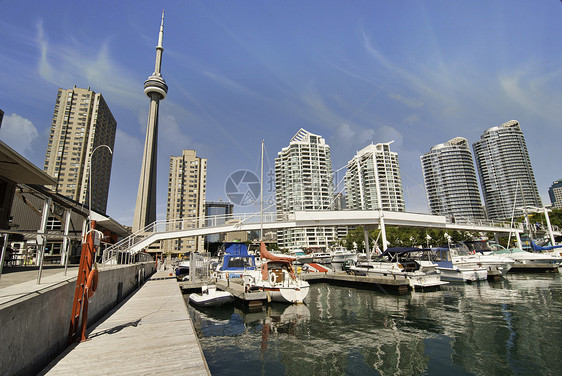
[182,270]
[277,278]
[477,254]
[342,254]
[452,272]
[527,260]
[234,261]
[399,262]
[211,297]
[321,257]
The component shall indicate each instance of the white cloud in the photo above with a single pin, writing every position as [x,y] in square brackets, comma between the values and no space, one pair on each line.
[18,133]
[172,135]
[387,134]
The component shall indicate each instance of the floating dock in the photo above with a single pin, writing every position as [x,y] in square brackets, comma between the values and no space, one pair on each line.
[383,283]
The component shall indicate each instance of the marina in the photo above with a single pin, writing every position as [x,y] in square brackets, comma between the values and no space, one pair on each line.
[488,328]
[342,257]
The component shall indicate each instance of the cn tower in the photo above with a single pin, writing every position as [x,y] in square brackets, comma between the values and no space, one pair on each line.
[156,89]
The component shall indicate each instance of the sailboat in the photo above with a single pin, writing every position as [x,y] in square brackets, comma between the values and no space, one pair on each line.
[277,278]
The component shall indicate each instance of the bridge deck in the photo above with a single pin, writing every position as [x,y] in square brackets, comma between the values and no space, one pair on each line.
[151,333]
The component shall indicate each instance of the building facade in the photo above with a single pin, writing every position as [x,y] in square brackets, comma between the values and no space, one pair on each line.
[217,213]
[81,122]
[186,200]
[303,181]
[450,181]
[372,180]
[506,174]
[555,193]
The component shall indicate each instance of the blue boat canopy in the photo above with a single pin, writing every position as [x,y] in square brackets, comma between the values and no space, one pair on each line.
[237,258]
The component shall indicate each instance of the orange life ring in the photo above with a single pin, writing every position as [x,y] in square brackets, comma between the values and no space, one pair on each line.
[92,282]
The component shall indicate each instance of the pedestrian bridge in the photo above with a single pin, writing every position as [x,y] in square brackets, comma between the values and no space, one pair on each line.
[187,227]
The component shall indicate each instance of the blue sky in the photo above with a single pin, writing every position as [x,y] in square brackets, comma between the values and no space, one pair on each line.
[354,72]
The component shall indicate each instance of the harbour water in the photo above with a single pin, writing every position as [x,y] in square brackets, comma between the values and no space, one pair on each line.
[510,327]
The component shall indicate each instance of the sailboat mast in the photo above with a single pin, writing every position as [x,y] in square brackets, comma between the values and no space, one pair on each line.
[261,194]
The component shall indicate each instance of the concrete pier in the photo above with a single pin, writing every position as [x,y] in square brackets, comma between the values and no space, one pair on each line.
[149,333]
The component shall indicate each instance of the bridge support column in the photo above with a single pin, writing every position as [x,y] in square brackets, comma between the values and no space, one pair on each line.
[367,248]
[383,233]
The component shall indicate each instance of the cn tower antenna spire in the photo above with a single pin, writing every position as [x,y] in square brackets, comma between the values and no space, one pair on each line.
[156,89]
[159,50]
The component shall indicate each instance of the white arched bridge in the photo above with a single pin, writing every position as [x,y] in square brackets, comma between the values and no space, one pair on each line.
[187,227]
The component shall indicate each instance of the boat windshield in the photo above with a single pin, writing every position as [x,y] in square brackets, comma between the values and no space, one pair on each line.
[240,262]
[461,249]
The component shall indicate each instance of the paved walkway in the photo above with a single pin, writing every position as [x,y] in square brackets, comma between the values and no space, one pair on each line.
[18,282]
[150,333]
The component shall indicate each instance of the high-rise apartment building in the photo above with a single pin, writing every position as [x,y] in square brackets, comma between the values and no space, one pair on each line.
[303,181]
[186,200]
[372,180]
[82,121]
[450,180]
[505,171]
[555,193]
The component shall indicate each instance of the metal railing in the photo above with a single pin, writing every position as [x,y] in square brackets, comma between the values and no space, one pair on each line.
[114,252]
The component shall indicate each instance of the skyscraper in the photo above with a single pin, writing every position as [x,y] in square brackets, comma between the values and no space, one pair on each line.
[156,89]
[81,122]
[186,199]
[450,180]
[217,213]
[505,171]
[374,173]
[555,193]
[303,181]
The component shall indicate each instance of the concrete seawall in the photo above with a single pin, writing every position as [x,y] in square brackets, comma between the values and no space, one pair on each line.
[34,326]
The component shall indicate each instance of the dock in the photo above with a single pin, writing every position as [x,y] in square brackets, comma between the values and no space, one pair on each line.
[382,283]
[149,333]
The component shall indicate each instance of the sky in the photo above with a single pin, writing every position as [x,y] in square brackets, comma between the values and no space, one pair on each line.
[418,73]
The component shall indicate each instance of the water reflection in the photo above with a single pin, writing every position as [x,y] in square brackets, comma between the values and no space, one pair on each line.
[506,327]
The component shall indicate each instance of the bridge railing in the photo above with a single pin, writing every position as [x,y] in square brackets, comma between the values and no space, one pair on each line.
[484,223]
[179,224]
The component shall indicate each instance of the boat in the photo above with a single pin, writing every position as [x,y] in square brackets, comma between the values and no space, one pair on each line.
[321,257]
[525,261]
[277,278]
[452,272]
[342,254]
[472,254]
[234,261]
[401,262]
[211,297]
[301,256]
[182,270]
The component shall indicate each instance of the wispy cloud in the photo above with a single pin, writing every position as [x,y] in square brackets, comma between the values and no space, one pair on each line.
[410,102]
[78,65]
[18,133]
[539,94]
